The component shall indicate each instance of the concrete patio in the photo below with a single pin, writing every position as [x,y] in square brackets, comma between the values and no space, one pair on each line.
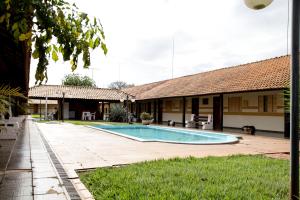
[80,147]
[42,162]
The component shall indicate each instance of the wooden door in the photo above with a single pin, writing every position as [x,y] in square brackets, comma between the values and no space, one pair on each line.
[218,112]
[159,110]
[195,106]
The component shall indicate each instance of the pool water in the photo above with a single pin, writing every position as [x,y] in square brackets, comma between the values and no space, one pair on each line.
[171,135]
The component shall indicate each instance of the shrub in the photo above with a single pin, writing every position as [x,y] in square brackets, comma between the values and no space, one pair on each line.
[117,113]
[145,116]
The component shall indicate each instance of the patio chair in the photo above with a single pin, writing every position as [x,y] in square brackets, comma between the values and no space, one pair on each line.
[51,116]
[208,125]
[191,123]
[93,116]
[86,116]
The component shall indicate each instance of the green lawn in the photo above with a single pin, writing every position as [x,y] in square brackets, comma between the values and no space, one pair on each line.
[35,116]
[80,122]
[234,177]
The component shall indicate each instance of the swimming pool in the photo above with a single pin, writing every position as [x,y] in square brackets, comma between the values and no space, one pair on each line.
[170,135]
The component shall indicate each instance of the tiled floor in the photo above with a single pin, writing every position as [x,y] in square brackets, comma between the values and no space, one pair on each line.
[30,173]
[79,147]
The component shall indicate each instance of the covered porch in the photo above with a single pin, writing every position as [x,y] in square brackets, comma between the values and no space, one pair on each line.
[74,102]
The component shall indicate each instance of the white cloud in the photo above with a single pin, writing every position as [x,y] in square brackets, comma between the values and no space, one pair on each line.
[207,35]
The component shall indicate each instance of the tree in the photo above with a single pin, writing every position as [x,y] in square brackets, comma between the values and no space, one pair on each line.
[119,85]
[77,80]
[52,28]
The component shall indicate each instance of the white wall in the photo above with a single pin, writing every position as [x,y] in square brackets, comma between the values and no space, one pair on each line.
[270,123]
[177,117]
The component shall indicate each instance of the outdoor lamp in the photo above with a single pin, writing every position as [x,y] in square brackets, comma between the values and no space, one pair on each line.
[257,4]
[122,100]
[132,100]
[294,94]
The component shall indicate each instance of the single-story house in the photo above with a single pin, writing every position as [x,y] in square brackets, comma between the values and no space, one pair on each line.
[248,94]
[245,95]
[74,100]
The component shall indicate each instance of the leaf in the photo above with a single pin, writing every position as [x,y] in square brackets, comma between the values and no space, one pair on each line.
[104,48]
[2,18]
[15,26]
[55,48]
[35,54]
[91,43]
[22,37]
[54,56]
[16,34]
[96,43]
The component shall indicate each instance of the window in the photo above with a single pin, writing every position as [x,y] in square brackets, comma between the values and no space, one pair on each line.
[205,101]
[168,105]
[234,104]
[267,103]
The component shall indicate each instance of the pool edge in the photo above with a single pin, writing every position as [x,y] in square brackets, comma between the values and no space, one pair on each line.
[164,141]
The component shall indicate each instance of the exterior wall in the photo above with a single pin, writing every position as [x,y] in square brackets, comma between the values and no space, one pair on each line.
[250,113]
[172,109]
[206,109]
[35,108]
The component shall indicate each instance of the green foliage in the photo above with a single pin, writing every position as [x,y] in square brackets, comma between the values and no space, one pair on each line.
[119,85]
[77,80]
[55,28]
[233,177]
[5,101]
[117,113]
[145,116]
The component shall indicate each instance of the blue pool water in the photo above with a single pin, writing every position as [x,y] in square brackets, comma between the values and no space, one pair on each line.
[172,135]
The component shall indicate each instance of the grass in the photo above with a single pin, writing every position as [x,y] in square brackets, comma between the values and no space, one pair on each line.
[233,177]
[80,122]
[37,116]
[86,123]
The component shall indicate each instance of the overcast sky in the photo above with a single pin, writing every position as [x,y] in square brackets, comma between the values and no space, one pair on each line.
[207,35]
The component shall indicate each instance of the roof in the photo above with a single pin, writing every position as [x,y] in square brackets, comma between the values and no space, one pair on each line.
[267,74]
[76,92]
[43,101]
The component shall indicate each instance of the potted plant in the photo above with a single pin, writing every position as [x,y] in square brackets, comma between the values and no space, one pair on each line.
[146,118]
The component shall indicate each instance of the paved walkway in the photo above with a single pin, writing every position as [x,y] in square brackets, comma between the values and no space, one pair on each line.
[28,172]
[79,147]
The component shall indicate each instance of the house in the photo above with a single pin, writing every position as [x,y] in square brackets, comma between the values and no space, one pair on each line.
[251,94]
[74,100]
[248,94]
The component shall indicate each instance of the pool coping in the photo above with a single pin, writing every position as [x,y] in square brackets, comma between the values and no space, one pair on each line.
[171,142]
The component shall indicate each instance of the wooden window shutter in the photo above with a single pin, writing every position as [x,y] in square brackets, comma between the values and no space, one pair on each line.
[234,104]
[274,103]
[270,103]
[260,103]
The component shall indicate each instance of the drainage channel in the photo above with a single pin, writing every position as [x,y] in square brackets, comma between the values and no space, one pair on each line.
[61,171]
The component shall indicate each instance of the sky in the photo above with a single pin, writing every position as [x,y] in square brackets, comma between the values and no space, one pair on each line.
[207,35]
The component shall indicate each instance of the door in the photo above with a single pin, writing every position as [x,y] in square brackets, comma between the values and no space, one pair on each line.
[66,110]
[159,110]
[195,106]
[218,112]
[149,107]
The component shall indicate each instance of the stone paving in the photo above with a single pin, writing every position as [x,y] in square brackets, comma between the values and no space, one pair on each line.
[29,172]
[80,147]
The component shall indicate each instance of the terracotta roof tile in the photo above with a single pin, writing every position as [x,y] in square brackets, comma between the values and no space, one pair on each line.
[266,74]
[75,92]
